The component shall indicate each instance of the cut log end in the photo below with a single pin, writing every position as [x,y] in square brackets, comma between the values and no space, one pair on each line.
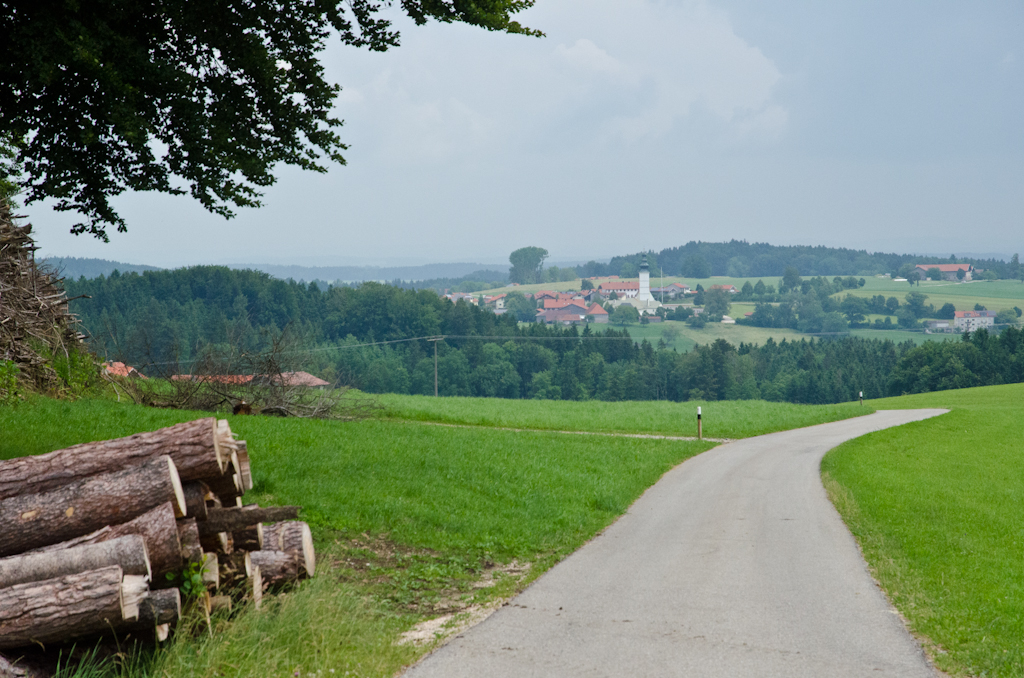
[211,571]
[162,632]
[180,506]
[134,589]
[256,581]
[308,559]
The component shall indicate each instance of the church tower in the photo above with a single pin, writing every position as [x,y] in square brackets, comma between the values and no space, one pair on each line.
[645,282]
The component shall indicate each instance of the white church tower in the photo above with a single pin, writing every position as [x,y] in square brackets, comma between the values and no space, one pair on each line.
[645,282]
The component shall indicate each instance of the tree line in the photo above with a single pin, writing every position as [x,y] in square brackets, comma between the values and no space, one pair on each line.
[163,320]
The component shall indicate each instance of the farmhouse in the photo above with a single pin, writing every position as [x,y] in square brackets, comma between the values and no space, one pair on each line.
[622,288]
[731,289]
[670,291]
[968,321]
[949,271]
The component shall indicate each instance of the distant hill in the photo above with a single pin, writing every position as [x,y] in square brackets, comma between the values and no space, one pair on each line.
[361,273]
[74,268]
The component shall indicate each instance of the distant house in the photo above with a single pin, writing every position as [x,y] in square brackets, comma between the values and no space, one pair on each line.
[938,326]
[122,370]
[949,271]
[597,313]
[497,302]
[670,291]
[968,321]
[562,303]
[569,315]
[731,289]
[455,297]
[624,289]
[545,294]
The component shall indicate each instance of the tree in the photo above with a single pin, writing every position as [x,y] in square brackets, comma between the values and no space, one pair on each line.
[110,97]
[748,290]
[625,314]
[525,310]
[1007,316]
[586,284]
[915,302]
[947,312]
[526,264]
[716,305]
[934,273]
[790,279]
[854,308]
[979,307]
[759,288]
[892,304]
[1013,269]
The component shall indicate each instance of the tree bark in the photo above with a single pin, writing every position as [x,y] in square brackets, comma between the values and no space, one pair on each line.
[218,542]
[157,613]
[195,499]
[292,537]
[129,552]
[157,527]
[191,546]
[276,567]
[235,519]
[31,521]
[68,606]
[197,448]
[250,539]
[225,487]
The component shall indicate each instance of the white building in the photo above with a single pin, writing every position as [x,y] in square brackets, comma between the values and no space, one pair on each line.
[968,321]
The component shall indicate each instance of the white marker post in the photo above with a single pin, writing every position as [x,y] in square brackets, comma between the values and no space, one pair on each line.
[700,432]
[862,397]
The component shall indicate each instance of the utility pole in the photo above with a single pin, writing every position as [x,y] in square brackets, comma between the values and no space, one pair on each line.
[435,340]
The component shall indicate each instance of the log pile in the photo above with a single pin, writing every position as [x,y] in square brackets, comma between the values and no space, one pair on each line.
[34,317]
[98,536]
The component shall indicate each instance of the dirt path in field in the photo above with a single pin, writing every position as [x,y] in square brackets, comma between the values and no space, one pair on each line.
[734,564]
[610,434]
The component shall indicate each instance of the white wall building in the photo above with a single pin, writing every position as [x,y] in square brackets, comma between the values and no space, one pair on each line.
[968,321]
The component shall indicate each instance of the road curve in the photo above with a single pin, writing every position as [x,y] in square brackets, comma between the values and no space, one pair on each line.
[734,564]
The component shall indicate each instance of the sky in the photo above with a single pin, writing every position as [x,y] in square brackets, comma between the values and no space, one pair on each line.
[639,125]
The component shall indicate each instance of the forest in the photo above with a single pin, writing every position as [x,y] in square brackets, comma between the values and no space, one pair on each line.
[163,322]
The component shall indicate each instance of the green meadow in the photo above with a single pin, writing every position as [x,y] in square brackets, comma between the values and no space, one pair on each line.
[938,509]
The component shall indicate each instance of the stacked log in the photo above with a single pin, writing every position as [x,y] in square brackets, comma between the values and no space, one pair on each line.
[93,531]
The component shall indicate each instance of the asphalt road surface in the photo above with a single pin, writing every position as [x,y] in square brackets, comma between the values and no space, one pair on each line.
[734,564]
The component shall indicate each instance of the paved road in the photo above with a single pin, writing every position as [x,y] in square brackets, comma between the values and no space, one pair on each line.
[734,564]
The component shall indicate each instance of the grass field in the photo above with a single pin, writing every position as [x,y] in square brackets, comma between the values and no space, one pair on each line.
[938,508]
[409,517]
[721,419]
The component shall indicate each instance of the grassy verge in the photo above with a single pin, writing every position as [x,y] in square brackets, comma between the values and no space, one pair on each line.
[937,507]
[722,419]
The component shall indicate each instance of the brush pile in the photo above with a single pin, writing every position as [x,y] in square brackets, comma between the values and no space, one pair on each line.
[35,324]
[91,533]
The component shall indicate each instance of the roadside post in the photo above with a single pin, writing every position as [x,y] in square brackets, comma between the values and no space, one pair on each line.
[862,398]
[700,431]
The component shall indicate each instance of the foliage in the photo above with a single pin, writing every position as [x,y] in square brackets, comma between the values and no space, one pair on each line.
[189,580]
[226,91]
[625,314]
[936,508]
[527,264]
[716,304]
[10,390]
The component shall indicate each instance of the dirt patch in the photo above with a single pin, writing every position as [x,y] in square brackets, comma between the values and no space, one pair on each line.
[441,628]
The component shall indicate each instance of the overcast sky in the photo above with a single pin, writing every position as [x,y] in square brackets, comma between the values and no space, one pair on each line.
[638,124]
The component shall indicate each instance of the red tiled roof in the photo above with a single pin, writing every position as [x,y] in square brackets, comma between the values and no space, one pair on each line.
[596,309]
[945,268]
[121,370]
[625,285]
[562,303]
[975,314]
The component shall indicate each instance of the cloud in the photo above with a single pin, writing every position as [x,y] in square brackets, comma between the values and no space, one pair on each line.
[588,56]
